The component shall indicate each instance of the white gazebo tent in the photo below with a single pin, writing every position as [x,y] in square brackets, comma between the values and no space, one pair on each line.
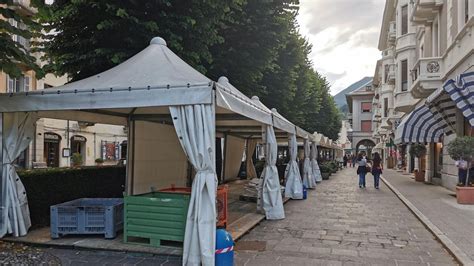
[149,93]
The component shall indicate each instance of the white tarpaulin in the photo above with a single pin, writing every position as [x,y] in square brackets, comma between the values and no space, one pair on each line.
[272,200]
[249,151]
[308,177]
[293,187]
[17,131]
[154,77]
[314,162]
[195,128]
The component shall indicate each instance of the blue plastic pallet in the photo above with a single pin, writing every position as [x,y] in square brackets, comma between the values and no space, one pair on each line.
[87,216]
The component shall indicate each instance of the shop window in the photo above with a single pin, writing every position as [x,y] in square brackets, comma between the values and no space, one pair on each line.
[404,74]
[366,126]
[404,19]
[110,150]
[366,107]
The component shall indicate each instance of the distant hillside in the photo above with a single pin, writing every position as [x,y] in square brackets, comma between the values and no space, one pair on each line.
[340,98]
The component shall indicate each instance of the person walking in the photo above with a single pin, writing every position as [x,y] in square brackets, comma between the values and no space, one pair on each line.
[361,169]
[354,158]
[377,169]
[344,161]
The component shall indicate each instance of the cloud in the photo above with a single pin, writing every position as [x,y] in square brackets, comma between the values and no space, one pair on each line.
[344,35]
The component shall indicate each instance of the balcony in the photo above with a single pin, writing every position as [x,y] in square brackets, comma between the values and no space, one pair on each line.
[404,102]
[387,53]
[425,10]
[386,90]
[392,32]
[24,7]
[427,76]
[385,124]
[406,41]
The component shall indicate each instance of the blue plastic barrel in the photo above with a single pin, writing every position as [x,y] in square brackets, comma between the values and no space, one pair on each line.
[305,192]
[224,248]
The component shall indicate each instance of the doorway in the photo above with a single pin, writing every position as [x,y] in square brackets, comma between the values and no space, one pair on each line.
[78,145]
[51,155]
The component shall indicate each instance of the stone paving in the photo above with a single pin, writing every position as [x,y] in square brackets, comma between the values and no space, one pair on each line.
[439,205]
[341,224]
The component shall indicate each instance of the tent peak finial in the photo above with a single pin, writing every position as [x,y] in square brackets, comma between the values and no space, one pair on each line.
[158,40]
[223,79]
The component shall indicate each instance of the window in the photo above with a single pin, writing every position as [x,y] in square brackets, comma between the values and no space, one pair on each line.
[366,126]
[385,72]
[468,130]
[404,75]
[366,107]
[385,107]
[17,38]
[466,11]
[404,19]
[21,84]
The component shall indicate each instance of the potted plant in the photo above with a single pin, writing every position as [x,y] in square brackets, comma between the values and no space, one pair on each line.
[325,171]
[462,148]
[333,166]
[76,159]
[99,161]
[418,150]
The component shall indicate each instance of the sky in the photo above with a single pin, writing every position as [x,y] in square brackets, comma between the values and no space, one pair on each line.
[344,35]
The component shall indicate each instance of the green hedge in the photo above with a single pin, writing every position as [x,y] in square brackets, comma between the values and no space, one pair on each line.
[47,187]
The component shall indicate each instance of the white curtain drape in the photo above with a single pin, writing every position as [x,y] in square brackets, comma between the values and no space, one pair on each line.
[251,145]
[308,177]
[314,163]
[271,191]
[294,186]
[17,131]
[195,128]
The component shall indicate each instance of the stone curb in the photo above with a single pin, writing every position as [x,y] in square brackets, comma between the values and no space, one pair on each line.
[458,254]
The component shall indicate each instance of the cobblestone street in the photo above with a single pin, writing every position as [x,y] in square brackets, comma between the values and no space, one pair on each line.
[17,254]
[340,224]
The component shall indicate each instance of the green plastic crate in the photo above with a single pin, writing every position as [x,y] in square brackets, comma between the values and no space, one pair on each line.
[153,217]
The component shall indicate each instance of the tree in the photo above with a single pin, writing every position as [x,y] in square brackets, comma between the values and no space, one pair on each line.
[14,28]
[253,37]
[91,36]
[255,43]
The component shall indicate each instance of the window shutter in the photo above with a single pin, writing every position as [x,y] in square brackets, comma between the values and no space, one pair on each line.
[10,84]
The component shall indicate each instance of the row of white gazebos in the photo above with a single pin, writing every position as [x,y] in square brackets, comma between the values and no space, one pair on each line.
[156,86]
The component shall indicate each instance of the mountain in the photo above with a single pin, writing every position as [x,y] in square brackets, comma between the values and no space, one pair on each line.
[340,98]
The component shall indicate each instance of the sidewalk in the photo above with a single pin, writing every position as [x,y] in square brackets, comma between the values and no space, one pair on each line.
[439,205]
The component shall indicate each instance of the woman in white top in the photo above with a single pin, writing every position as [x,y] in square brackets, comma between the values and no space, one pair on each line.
[362,169]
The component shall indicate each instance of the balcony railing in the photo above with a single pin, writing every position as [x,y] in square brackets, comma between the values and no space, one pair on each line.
[392,31]
[387,53]
[427,69]
[390,73]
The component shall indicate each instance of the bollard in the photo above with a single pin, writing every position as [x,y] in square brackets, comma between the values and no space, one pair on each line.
[224,248]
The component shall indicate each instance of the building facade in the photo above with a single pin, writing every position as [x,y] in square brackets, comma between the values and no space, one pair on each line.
[360,103]
[424,44]
[56,140]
